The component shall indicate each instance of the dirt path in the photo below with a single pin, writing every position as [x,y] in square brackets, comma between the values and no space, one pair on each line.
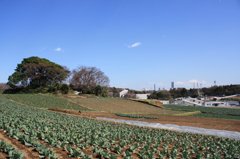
[210,123]
[188,129]
[29,153]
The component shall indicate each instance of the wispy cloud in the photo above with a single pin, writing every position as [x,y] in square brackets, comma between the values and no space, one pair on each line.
[134,45]
[191,82]
[180,83]
[59,49]
[196,81]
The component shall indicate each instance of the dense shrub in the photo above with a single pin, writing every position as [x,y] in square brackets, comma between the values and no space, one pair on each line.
[101,91]
[64,89]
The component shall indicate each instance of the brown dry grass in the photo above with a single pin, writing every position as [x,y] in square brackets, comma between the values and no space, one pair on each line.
[155,103]
[118,105]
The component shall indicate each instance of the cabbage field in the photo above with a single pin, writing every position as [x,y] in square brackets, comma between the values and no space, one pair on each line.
[47,132]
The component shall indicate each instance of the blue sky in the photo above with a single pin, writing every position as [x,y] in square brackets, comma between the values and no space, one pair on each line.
[137,43]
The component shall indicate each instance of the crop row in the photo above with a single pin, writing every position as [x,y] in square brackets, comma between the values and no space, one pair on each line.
[10,150]
[87,138]
[135,116]
[228,113]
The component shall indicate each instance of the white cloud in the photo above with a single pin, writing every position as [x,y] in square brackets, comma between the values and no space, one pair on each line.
[134,45]
[197,81]
[58,49]
[180,83]
[193,81]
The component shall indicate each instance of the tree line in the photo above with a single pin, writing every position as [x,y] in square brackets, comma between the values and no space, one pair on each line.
[35,75]
[183,92]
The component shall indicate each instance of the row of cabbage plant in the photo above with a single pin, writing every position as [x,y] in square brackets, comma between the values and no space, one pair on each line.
[10,151]
[88,138]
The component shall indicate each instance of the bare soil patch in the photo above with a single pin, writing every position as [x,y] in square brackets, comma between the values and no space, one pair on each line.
[210,123]
[91,114]
[152,102]
[3,155]
[28,152]
[68,111]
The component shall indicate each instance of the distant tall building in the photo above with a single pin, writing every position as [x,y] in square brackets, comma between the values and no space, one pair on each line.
[172,85]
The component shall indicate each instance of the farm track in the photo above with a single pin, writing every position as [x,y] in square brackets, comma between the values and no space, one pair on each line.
[209,123]
[187,129]
[29,153]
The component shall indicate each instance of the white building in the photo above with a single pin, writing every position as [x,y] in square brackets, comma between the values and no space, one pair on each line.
[142,96]
[76,92]
[205,102]
[164,101]
[123,93]
[215,104]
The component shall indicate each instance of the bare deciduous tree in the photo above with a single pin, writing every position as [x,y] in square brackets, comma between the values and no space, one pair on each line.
[86,78]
